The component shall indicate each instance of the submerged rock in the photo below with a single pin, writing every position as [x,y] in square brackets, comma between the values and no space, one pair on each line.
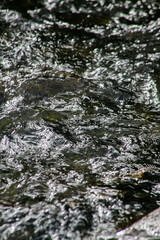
[2,95]
[37,89]
[21,6]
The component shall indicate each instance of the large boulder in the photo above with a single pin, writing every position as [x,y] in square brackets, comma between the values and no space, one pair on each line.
[147,227]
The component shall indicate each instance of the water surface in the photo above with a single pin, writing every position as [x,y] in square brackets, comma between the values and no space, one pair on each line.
[79,117]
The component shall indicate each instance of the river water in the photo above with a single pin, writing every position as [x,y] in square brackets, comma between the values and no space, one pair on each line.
[79,117]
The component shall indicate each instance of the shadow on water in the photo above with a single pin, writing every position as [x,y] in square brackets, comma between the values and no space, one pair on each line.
[79,117]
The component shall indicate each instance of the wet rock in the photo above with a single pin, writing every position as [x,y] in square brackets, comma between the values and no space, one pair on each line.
[146,228]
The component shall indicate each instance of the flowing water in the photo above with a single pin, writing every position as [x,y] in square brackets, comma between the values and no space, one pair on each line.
[79,117]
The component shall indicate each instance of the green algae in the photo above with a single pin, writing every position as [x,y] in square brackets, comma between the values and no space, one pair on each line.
[4,123]
[50,115]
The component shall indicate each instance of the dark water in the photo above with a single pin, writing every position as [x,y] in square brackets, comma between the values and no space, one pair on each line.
[79,117]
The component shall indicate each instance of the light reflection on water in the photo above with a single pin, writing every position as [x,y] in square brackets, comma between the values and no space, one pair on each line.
[79,123]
